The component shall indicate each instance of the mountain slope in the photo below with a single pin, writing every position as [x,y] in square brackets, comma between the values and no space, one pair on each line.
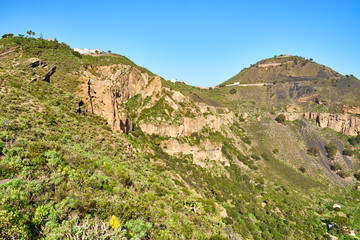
[85,138]
[283,68]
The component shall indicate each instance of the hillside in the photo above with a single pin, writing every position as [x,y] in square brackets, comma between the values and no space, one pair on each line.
[85,139]
[283,68]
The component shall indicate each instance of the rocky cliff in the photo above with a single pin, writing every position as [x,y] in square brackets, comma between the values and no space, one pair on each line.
[344,123]
[188,125]
[203,154]
[104,88]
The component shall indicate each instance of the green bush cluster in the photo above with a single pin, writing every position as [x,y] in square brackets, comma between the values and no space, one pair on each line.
[331,150]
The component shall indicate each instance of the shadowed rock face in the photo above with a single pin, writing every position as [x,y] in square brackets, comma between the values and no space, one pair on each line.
[344,123]
[105,88]
[40,70]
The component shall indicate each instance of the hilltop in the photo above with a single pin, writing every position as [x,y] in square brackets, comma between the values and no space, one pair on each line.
[85,138]
[283,68]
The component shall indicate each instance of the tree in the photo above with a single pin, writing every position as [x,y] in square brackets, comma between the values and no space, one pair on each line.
[233,91]
[7,35]
[109,51]
[331,150]
[280,118]
[348,152]
[30,33]
[314,151]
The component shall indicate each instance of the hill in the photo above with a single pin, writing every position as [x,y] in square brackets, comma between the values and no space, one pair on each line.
[283,68]
[86,139]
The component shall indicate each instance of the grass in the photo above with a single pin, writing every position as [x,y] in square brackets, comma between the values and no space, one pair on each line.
[60,170]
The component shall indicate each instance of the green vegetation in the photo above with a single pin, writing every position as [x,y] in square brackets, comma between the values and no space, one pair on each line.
[280,118]
[314,151]
[354,140]
[331,150]
[66,174]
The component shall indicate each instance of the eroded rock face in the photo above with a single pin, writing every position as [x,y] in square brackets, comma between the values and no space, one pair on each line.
[351,109]
[202,153]
[344,123]
[127,81]
[105,88]
[188,126]
[40,69]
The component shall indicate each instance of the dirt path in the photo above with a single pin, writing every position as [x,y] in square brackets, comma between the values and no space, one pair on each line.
[250,84]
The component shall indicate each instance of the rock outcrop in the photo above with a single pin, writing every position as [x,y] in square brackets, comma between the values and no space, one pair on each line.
[343,123]
[351,109]
[203,153]
[188,126]
[105,88]
[40,70]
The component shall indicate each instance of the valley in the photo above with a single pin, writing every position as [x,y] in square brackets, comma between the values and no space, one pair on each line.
[85,138]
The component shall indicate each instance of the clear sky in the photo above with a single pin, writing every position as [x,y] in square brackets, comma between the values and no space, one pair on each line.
[200,42]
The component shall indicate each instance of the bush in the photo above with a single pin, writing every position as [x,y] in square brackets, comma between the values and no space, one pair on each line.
[2,146]
[343,174]
[246,140]
[233,91]
[354,140]
[313,151]
[138,228]
[357,176]
[348,152]
[280,118]
[331,150]
[266,156]
[7,35]
[336,166]
[10,228]
[302,169]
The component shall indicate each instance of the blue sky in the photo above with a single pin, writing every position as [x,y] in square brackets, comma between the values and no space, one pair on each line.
[200,42]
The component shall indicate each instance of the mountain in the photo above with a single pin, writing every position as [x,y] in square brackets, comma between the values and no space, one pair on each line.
[94,146]
[285,68]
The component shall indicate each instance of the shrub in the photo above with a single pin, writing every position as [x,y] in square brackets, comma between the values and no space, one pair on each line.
[10,228]
[331,150]
[280,118]
[7,35]
[302,169]
[314,151]
[346,152]
[138,228]
[266,156]
[246,140]
[357,176]
[336,166]
[343,174]
[76,54]
[83,229]
[354,140]
[233,91]
[2,146]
